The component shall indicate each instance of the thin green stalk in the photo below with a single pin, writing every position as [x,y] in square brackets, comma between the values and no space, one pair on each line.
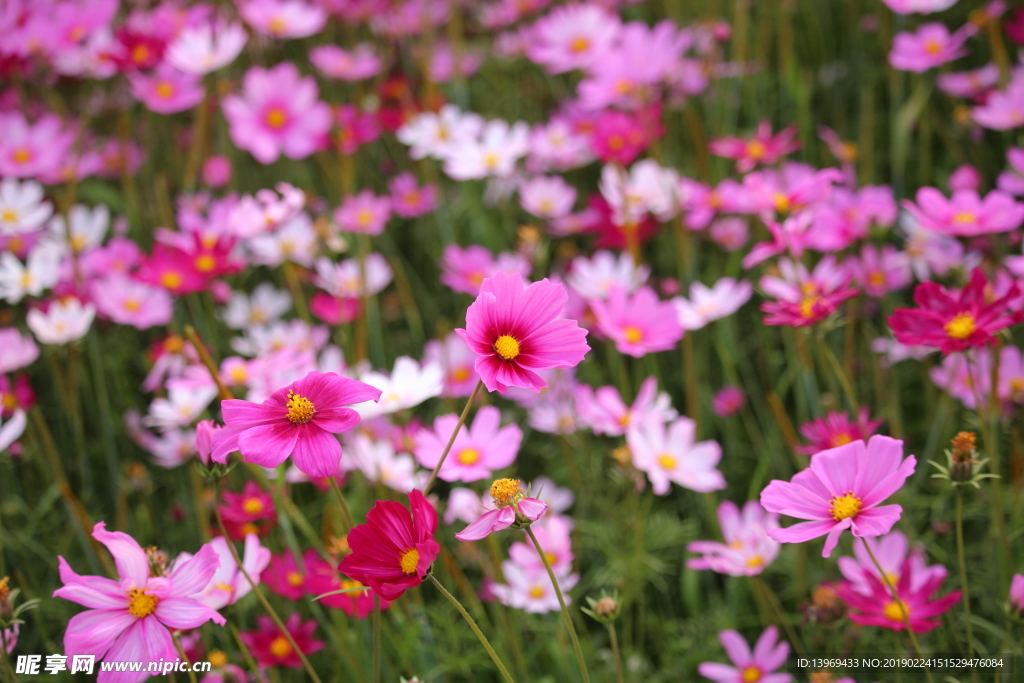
[963,567]
[476,629]
[902,606]
[455,432]
[271,612]
[768,595]
[246,655]
[346,513]
[184,657]
[844,381]
[561,603]
[619,677]
[291,277]
[376,639]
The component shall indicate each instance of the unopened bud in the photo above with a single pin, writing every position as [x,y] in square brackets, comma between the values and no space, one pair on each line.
[606,607]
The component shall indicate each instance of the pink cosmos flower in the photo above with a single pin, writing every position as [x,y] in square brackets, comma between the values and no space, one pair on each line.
[918,6]
[749,667]
[16,350]
[129,619]
[966,214]
[639,324]
[706,304]
[572,37]
[842,489]
[836,429]
[355,65]
[1012,180]
[322,578]
[547,196]
[278,111]
[364,213]
[1003,109]
[284,577]
[206,47]
[512,506]
[955,321]
[849,216]
[702,203]
[465,269]
[805,298]
[931,46]
[620,137]
[408,199]
[217,171]
[879,271]
[457,360]
[605,412]
[270,648]
[964,177]
[394,549]
[130,302]
[728,401]
[594,277]
[166,90]
[891,551]
[33,149]
[228,585]
[969,84]
[747,550]
[250,511]
[478,450]
[763,148]
[515,331]
[553,532]
[297,420]
[880,609]
[283,18]
[1016,598]
[731,233]
[355,128]
[668,454]
[531,590]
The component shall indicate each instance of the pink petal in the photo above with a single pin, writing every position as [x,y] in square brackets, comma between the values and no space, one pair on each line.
[94,631]
[492,520]
[736,647]
[194,575]
[876,521]
[237,412]
[94,592]
[184,613]
[804,531]
[129,556]
[336,420]
[833,535]
[317,452]
[531,508]
[270,444]
[718,672]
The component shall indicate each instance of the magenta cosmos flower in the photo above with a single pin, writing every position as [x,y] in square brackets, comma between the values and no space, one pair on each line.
[878,608]
[298,420]
[512,506]
[638,324]
[966,214]
[842,490]
[954,322]
[516,330]
[749,667]
[278,111]
[393,551]
[933,45]
[128,618]
[763,148]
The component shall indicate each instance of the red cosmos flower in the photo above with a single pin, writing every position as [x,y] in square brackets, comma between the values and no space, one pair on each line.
[322,578]
[394,549]
[251,511]
[270,648]
[954,322]
[172,269]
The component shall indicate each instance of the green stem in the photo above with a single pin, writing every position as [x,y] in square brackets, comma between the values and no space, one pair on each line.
[184,657]
[902,606]
[455,432]
[259,594]
[963,567]
[844,381]
[346,513]
[619,677]
[476,629]
[561,602]
[376,639]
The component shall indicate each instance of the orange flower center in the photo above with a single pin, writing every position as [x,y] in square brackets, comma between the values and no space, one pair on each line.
[22,155]
[579,44]
[276,117]
[845,506]
[894,610]
[164,90]
[469,456]
[964,217]
[537,592]
[961,326]
[633,334]
[300,408]
[751,674]
[252,506]
[171,280]
[294,579]
[140,603]
[205,263]
[506,492]
[280,648]
[756,149]
[667,461]
[507,347]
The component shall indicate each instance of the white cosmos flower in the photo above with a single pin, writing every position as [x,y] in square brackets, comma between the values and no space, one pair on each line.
[41,272]
[12,429]
[87,228]
[22,208]
[206,47]
[63,322]
[407,386]
[266,304]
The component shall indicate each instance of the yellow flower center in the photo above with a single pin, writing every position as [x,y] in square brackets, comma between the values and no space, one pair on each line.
[964,217]
[579,44]
[961,327]
[239,374]
[808,305]
[252,506]
[164,90]
[140,53]
[506,492]
[410,560]
[892,578]
[623,86]
[667,461]
[633,334]
[275,117]
[77,243]
[490,161]
[469,456]
[756,149]
[217,659]
[277,25]
[171,280]
[132,304]
[294,579]
[364,217]
[205,263]
[550,557]
[840,439]
[349,584]
[894,610]
[782,203]
[250,528]
[537,592]
[933,47]
[877,278]
[845,506]
[300,408]
[140,603]
[755,561]
[460,374]
[8,215]
[9,401]
[22,155]
[751,674]
[507,347]
[280,648]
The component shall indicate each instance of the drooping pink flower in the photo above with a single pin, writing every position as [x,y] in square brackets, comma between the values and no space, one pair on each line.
[478,450]
[516,330]
[228,584]
[749,667]
[298,420]
[277,112]
[762,148]
[270,648]
[1016,599]
[131,618]
[747,550]
[364,213]
[969,84]
[638,324]
[842,489]
[604,411]
[931,46]
[393,550]
[966,214]
[880,609]
[955,321]
[511,506]
[669,453]
[880,271]
[836,429]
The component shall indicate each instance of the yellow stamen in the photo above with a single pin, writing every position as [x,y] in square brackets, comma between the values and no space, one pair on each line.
[840,439]
[217,659]
[164,90]
[537,592]
[751,674]
[633,334]
[277,25]
[205,263]
[507,347]
[755,561]
[410,560]
[579,44]
[275,117]
[667,461]
[294,579]
[280,648]
[469,456]
[961,326]
[140,603]
[22,155]
[300,408]
[894,610]
[132,304]
[964,217]
[756,149]
[252,506]
[845,506]
[8,215]
[506,492]
[808,305]
[171,280]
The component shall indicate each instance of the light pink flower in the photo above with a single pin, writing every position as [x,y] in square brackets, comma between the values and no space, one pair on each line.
[283,18]
[552,532]
[1003,109]
[639,324]
[512,506]
[130,302]
[747,550]
[604,411]
[465,269]
[842,489]
[494,153]
[166,90]
[762,148]
[966,214]
[357,64]
[228,585]
[129,619]
[1012,179]
[278,111]
[918,6]
[478,450]
[206,47]
[30,150]
[364,213]
[594,277]
[572,37]
[879,271]
[547,196]
[409,200]
[706,304]
[531,591]
[16,350]
[749,667]
[668,454]
[931,46]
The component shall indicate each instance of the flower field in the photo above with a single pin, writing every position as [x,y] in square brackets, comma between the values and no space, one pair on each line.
[511,340]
